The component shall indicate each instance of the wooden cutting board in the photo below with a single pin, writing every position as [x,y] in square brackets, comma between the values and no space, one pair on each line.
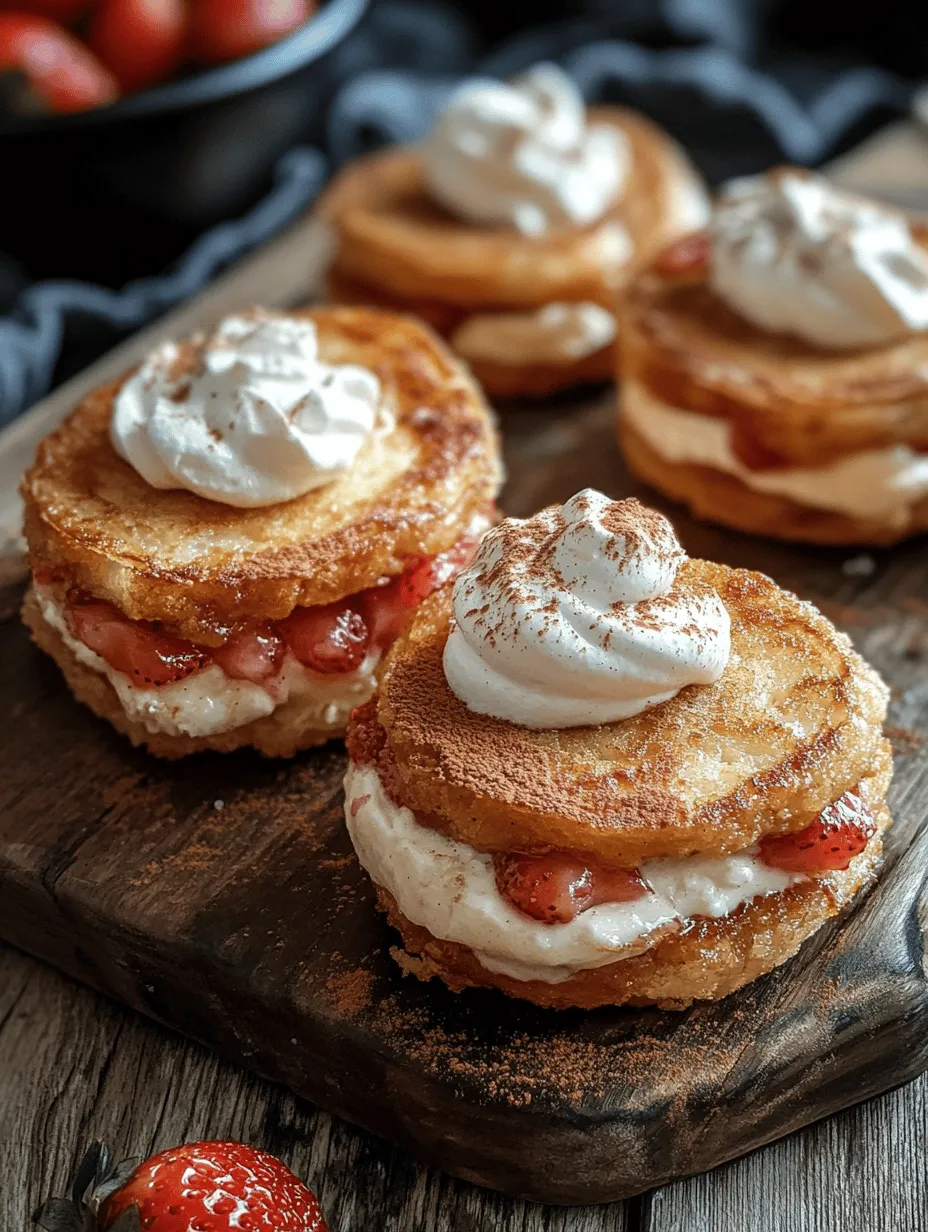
[220,896]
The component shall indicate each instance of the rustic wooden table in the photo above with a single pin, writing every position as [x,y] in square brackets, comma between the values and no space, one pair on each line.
[74,1066]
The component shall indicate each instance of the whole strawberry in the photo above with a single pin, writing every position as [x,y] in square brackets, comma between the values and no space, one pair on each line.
[206,1186]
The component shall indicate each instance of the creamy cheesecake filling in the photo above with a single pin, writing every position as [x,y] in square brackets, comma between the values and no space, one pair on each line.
[210,702]
[559,333]
[450,889]
[874,484]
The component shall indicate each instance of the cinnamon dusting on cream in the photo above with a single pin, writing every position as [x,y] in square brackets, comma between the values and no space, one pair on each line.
[576,616]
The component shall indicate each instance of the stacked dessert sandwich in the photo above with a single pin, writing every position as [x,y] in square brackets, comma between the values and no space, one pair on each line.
[775,370]
[512,226]
[224,543]
[599,772]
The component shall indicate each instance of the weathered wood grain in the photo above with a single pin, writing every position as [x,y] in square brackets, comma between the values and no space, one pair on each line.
[249,926]
[74,1067]
[863,1170]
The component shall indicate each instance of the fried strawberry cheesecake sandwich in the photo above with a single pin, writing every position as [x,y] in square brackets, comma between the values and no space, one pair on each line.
[511,227]
[599,772]
[224,543]
[775,369]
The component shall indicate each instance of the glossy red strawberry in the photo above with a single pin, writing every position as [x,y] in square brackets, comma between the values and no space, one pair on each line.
[60,73]
[838,834]
[200,1187]
[419,579]
[138,649]
[139,41]
[557,886]
[251,654]
[227,29]
[389,609]
[684,257]
[330,638]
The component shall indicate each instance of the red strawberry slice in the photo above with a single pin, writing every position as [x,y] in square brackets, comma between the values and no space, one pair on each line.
[204,1186]
[557,886]
[135,647]
[425,575]
[330,639]
[389,609]
[252,654]
[838,834]
[45,575]
[687,256]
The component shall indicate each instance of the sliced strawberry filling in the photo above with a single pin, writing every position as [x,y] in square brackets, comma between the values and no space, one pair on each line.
[329,639]
[557,886]
[829,844]
[251,654]
[137,648]
[333,638]
[388,609]
[684,257]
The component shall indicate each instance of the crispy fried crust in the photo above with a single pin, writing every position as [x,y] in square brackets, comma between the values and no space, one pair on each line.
[498,380]
[707,961]
[709,771]
[804,406]
[390,235]
[723,498]
[280,734]
[200,566]
[540,380]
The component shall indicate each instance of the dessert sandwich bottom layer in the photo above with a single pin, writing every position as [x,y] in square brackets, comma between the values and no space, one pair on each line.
[875,498]
[709,925]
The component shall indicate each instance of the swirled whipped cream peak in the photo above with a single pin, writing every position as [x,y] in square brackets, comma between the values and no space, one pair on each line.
[579,616]
[248,416]
[792,254]
[523,155]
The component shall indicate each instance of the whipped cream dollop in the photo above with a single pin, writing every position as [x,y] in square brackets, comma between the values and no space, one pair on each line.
[792,254]
[522,154]
[257,418]
[575,616]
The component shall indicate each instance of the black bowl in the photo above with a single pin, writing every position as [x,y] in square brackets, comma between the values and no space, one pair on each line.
[117,192]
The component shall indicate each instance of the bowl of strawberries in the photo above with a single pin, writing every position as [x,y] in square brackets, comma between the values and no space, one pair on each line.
[127,126]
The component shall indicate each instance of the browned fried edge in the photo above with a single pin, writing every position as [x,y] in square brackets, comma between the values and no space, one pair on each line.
[456,476]
[719,497]
[807,424]
[707,961]
[578,271]
[499,787]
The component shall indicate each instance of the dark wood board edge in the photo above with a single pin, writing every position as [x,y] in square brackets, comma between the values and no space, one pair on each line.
[598,1159]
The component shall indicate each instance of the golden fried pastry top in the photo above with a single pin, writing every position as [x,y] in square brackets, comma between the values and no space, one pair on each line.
[802,405]
[392,235]
[792,724]
[200,566]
